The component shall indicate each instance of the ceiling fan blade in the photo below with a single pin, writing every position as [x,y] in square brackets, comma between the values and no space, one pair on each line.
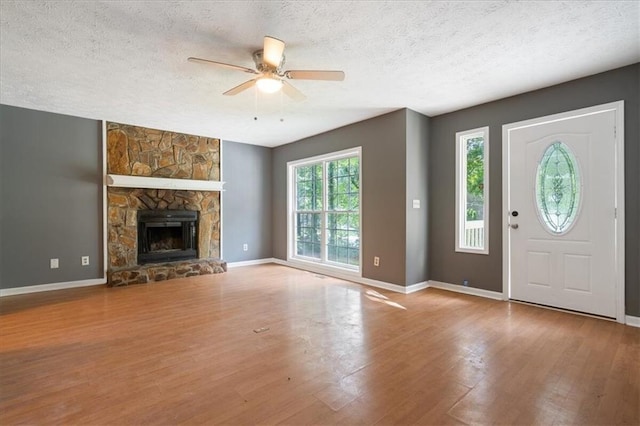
[241,88]
[292,92]
[222,64]
[272,51]
[314,75]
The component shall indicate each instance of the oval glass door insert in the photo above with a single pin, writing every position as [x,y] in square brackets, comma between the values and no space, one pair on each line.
[558,188]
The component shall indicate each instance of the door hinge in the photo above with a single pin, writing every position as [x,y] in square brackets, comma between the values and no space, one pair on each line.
[615,213]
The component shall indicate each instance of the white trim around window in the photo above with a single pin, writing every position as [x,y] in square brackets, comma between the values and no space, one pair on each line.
[472,216]
[298,260]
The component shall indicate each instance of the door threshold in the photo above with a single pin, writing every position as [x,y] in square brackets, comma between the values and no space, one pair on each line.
[568,311]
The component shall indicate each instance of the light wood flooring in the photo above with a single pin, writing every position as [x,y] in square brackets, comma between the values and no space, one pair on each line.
[329,352]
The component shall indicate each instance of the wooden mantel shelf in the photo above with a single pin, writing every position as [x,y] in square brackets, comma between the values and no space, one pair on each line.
[123,181]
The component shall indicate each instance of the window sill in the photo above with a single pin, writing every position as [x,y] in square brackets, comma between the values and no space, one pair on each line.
[322,267]
[472,251]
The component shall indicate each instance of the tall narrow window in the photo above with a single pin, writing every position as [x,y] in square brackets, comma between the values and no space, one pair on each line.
[472,191]
[324,210]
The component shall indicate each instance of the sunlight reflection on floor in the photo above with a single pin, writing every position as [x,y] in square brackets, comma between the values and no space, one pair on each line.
[377,297]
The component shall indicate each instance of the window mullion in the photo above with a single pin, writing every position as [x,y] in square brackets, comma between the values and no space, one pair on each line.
[294,212]
[463,192]
[323,234]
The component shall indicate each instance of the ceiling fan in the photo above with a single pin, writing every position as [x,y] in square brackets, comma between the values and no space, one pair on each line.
[269,74]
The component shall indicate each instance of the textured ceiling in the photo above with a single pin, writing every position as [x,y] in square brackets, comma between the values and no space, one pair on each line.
[126,61]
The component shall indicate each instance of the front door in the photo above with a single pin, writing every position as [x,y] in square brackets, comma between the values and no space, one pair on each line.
[561,207]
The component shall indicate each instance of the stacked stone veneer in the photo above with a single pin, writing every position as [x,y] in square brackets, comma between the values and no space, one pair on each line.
[124,204]
[139,151]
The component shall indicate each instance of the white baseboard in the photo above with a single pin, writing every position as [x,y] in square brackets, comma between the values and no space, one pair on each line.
[387,286]
[632,321]
[48,287]
[279,261]
[417,287]
[352,277]
[250,262]
[393,287]
[466,290]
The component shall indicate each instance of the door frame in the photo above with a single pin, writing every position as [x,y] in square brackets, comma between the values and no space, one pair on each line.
[618,108]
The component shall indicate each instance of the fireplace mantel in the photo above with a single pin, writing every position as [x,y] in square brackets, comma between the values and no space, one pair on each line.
[123,181]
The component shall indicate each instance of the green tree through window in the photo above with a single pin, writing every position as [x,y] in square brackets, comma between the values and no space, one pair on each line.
[475,178]
[343,218]
[472,208]
[327,211]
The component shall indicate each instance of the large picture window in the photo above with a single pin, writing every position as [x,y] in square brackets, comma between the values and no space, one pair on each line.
[324,209]
[472,191]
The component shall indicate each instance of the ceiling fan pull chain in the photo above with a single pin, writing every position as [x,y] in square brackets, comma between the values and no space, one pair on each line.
[255,104]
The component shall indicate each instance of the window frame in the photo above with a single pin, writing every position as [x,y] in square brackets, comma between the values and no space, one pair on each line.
[461,189]
[323,262]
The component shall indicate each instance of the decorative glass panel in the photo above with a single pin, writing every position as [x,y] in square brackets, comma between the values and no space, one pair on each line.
[558,188]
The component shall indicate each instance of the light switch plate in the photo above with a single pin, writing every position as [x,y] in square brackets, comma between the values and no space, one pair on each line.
[416,204]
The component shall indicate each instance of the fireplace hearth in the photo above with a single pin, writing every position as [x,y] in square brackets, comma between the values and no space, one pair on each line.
[167,235]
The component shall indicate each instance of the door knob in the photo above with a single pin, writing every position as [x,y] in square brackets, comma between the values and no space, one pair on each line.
[513,226]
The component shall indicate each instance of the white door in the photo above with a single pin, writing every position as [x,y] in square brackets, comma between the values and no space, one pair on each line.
[561,211]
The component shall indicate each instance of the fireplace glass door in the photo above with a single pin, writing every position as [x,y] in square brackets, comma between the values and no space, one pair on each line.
[167,235]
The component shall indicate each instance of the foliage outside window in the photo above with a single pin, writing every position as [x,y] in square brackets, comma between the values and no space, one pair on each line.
[325,195]
[472,191]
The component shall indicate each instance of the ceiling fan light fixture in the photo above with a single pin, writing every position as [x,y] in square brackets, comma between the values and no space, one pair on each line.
[269,84]
[269,77]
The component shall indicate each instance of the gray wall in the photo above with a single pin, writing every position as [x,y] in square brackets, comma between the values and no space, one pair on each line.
[417,189]
[246,202]
[51,191]
[383,142]
[56,160]
[486,271]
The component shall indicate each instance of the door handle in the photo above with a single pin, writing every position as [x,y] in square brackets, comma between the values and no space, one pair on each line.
[513,226]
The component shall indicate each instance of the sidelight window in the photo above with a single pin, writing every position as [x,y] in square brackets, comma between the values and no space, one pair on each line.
[472,191]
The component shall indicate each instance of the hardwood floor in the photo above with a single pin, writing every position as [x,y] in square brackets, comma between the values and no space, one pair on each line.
[334,352]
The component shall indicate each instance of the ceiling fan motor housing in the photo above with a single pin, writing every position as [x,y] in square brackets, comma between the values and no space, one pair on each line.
[266,68]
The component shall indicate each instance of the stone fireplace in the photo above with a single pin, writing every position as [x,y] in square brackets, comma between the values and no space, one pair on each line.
[194,231]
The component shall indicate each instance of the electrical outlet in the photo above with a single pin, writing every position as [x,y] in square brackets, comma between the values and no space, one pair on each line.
[54,263]
[245,247]
[465,283]
[376,261]
[85,260]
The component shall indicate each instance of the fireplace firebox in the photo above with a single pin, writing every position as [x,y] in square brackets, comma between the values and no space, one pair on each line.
[167,235]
